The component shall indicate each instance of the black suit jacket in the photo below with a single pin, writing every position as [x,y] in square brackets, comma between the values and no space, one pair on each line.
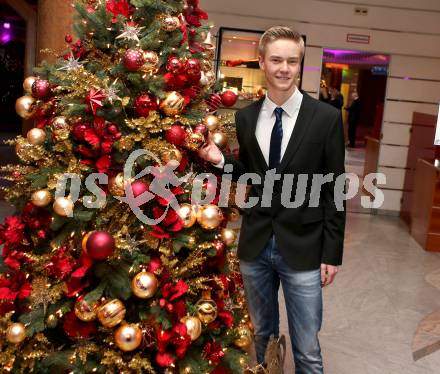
[306,236]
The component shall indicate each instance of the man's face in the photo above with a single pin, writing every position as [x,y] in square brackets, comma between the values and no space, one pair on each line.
[281,64]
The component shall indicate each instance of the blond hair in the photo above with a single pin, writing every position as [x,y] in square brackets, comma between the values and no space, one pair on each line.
[280,32]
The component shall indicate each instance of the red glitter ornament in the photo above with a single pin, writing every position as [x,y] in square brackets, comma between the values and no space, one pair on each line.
[192,67]
[41,89]
[174,65]
[214,101]
[175,135]
[133,59]
[100,245]
[229,98]
[144,104]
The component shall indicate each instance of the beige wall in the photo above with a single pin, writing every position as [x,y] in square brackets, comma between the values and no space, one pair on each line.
[407,30]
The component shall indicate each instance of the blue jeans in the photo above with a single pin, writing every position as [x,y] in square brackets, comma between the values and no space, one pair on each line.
[303,297]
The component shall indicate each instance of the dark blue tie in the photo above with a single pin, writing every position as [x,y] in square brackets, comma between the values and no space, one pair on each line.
[275,140]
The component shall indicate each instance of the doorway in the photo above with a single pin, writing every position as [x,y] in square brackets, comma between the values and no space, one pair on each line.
[355,82]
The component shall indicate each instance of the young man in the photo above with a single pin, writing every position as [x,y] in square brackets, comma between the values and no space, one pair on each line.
[299,247]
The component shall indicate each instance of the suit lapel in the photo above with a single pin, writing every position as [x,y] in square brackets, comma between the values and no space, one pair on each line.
[305,115]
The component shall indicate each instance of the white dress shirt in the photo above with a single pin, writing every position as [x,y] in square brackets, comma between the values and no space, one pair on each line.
[266,122]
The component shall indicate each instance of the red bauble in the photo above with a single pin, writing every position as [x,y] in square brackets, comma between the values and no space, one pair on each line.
[174,65]
[133,59]
[229,98]
[219,248]
[100,245]
[192,67]
[214,101]
[139,187]
[202,129]
[144,104]
[40,89]
[175,135]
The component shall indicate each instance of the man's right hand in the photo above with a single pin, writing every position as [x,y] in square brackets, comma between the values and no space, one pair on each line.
[210,152]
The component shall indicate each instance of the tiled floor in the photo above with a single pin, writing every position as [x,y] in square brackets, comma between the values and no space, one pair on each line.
[385,288]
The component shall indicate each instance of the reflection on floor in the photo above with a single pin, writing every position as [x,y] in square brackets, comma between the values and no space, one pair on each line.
[354,164]
[386,286]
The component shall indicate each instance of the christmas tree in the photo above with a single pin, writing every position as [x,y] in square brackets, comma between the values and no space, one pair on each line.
[113,261]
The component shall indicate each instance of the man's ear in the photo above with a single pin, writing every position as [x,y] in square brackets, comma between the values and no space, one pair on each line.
[261,62]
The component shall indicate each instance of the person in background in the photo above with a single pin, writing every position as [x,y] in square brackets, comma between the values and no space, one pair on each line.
[287,132]
[354,111]
[336,98]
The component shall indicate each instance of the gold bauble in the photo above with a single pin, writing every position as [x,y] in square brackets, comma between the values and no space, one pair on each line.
[27,84]
[51,321]
[63,206]
[194,141]
[111,313]
[173,104]
[234,215]
[206,308]
[16,333]
[25,106]
[169,23]
[116,185]
[85,311]
[144,284]
[128,337]
[41,198]
[209,216]
[187,214]
[60,128]
[228,236]
[211,122]
[193,326]
[36,136]
[172,156]
[151,64]
[220,139]
[244,339]
[84,241]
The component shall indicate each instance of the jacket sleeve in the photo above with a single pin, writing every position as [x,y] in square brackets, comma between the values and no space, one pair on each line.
[333,203]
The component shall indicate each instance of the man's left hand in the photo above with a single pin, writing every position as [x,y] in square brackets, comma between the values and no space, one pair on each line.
[328,274]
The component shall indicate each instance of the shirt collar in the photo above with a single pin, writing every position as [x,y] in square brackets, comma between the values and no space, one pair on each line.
[291,106]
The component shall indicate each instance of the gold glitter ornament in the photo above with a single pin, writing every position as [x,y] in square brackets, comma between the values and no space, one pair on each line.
[169,23]
[172,156]
[36,136]
[111,313]
[27,84]
[228,236]
[173,103]
[63,206]
[41,198]
[187,214]
[52,321]
[85,311]
[194,141]
[193,326]
[60,128]
[209,216]
[144,285]
[244,339]
[25,106]
[220,139]
[206,308]
[211,122]
[151,64]
[128,337]
[116,185]
[16,333]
